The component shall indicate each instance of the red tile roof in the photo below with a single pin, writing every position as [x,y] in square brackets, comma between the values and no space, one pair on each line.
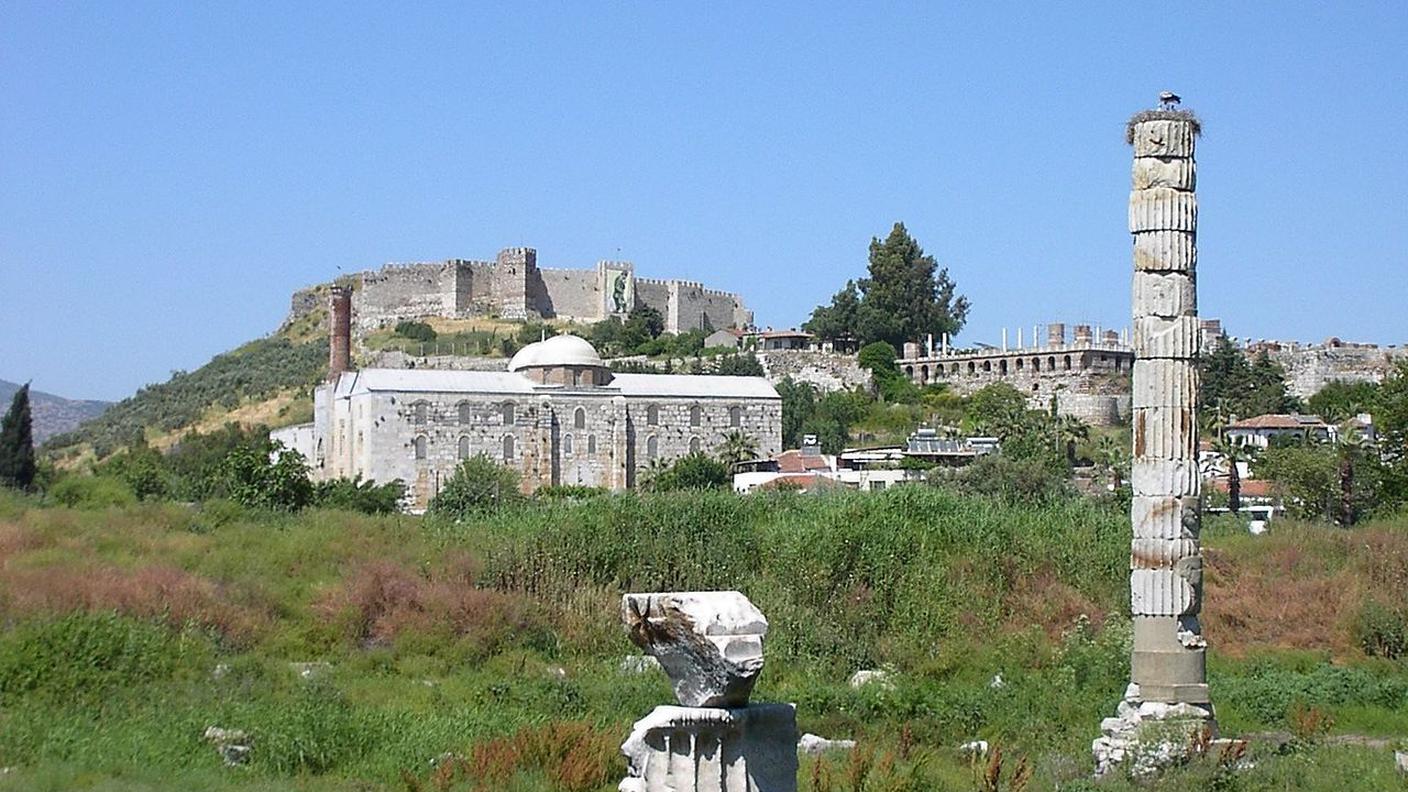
[795,461]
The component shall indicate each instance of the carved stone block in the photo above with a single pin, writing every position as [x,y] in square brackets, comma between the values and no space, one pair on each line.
[1175,174]
[1164,517]
[710,643]
[1164,477]
[1163,138]
[1176,338]
[1164,382]
[1162,209]
[1166,251]
[1165,433]
[708,749]
[1168,295]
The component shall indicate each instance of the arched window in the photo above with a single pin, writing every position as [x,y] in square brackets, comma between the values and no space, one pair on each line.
[1051,363]
[909,372]
[466,413]
[1119,364]
[924,374]
[579,418]
[696,415]
[422,447]
[1002,366]
[971,368]
[693,445]
[954,369]
[464,447]
[508,413]
[567,444]
[591,444]
[1021,364]
[987,365]
[1036,364]
[652,447]
[1067,362]
[508,448]
[735,416]
[652,415]
[421,410]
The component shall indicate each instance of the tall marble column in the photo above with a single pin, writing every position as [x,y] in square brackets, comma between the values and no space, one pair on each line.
[1168,675]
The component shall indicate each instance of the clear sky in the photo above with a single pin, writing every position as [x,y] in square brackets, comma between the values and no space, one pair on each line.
[169,174]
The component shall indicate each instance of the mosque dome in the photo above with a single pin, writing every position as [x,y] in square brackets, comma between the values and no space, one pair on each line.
[567,353]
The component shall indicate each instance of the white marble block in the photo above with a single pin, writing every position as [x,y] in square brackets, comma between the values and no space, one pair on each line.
[710,643]
[713,749]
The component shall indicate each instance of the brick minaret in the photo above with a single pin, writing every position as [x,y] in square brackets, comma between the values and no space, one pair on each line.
[340,331]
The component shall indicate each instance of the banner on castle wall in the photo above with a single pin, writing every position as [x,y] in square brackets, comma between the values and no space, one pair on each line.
[620,293]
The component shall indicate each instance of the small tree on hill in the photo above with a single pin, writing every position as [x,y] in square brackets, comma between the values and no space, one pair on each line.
[17,467]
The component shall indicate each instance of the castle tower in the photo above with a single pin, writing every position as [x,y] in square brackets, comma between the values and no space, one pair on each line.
[515,269]
[339,331]
[1168,674]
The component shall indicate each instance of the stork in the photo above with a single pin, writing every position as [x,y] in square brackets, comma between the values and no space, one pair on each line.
[1168,100]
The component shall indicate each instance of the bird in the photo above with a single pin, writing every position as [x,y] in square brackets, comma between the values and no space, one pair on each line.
[1169,100]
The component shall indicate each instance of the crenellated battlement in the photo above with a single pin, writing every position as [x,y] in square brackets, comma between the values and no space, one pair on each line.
[513,286]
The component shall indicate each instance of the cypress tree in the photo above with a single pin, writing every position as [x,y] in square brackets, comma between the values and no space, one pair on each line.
[17,443]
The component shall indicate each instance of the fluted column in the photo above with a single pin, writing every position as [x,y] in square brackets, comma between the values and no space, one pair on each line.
[1166,580]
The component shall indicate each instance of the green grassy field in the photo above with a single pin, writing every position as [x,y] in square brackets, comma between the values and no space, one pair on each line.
[487,655]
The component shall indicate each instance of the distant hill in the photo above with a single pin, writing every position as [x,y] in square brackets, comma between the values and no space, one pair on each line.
[52,414]
[255,372]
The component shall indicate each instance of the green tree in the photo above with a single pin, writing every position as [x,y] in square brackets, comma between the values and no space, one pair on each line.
[1231,385]
[905,297]
[1340,401]
[746,365]
[646,321]
[357,495]
[479,485]
[798,405]
[17,466]
[417,331]
[270,478]
[1391,417]
[1233,453]
[737,446]
[697,471]
[1071,430]
[840,319]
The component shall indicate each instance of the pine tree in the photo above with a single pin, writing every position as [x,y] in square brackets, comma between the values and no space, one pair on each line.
[17,443]
[905,298]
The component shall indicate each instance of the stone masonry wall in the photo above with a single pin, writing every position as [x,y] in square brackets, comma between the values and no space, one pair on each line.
[573,294]
[827,371]
[1311,367]
[606,446]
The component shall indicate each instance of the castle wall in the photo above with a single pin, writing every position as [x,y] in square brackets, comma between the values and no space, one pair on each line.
[1311,367]
[573,294]
[405,291]
[828,371]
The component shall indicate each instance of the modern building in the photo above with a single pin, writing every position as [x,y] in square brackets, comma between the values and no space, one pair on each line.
[1258,432]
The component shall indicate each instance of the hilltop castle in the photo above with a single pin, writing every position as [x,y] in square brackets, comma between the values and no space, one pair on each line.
[512,286]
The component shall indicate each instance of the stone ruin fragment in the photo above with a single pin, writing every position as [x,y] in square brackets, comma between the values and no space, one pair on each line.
[710,644]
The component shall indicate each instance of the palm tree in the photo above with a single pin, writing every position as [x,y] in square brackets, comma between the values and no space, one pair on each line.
[737,447]
[1069,431]
[1351,445]
[653,471]
[1114,456]
[1233,453]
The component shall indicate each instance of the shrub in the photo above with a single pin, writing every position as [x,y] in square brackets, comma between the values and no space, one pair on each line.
[83,656]
[479,485]
[1382,631]
[416,331]
[92,492]
[696,471]
[353,494]
[254,480]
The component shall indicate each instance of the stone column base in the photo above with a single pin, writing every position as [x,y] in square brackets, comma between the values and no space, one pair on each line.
[708,749]
[1148,735]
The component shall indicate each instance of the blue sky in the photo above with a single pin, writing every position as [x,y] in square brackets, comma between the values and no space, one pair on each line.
[170,173]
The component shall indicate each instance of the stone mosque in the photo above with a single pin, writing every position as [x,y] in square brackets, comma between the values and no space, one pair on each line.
[557,415]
